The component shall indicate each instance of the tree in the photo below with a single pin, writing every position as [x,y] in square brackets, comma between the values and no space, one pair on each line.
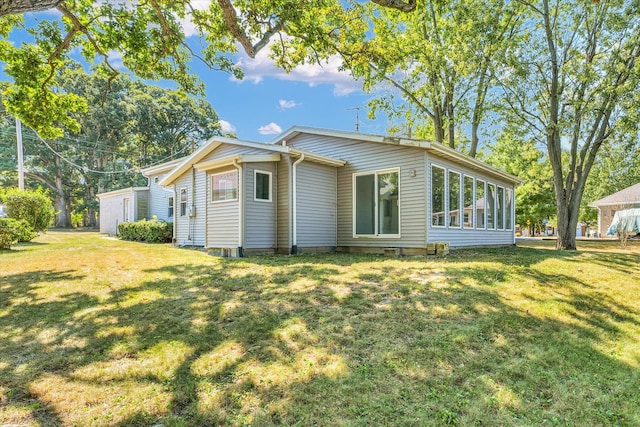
[516,154]
[439,61]
[151,38]
[571,80]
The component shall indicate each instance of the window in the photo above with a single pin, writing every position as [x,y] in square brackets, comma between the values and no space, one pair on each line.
[224,186]
[170,212]
[183,201]
[437,196]
[501,208]
[491,206]
[376,200]
[262,184]
[508,208]
[468,202]
[481,205]
[454,199]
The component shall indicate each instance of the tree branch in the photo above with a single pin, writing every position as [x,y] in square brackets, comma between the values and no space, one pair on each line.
[403,6]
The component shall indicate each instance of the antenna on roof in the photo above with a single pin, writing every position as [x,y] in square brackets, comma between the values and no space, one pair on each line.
[357,116]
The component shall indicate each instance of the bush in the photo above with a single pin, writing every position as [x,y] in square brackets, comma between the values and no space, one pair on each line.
[13,231]
[152,231]
[34,207]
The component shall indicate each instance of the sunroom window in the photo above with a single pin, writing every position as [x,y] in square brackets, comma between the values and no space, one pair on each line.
[376,201]
[438,192]
[224,186]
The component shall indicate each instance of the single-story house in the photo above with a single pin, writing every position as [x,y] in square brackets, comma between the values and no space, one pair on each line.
[135,203]
[324,190]
[628,198]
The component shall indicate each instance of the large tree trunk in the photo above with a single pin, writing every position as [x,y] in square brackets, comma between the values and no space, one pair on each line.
[14,7]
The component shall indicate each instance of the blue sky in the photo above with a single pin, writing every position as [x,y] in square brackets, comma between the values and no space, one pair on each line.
[268,100]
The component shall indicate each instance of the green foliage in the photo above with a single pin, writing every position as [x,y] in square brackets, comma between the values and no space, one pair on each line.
[32,206]
[150,231]
[13,231]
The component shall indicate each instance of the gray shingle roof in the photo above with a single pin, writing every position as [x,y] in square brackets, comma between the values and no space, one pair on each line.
[629,195]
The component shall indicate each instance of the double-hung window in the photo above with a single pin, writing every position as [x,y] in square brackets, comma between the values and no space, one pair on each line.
[376,204]
[224,186]
[183,201]
[170,211]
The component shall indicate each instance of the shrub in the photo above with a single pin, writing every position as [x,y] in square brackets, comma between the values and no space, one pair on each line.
[33,206]
[152,231]
[13,231]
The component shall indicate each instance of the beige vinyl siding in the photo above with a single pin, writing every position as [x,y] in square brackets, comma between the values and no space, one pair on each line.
[159,199]
[370,157]
[191,230]
[283,201]
[260,216]
[226,150]
[316,207]
[456,236]
[222,217]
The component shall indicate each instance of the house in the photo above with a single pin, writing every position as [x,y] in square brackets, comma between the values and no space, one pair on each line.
[135,203]
[314,190]
[629,198]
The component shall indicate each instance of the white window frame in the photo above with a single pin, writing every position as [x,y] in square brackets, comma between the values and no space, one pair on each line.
[186,201]
[255,187]
[501,204]
[376,210]
[494,215]
[460,198]
[233,171]
[445,196]
[172,207]
[475,204]
[473,201]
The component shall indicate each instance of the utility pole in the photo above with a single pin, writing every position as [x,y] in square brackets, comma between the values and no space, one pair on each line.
[20,158]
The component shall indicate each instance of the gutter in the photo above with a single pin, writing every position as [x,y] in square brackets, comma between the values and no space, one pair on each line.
[240,207]
[294,246]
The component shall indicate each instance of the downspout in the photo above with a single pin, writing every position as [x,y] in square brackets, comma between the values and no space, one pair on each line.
[192,211]
[294,191]
[174,240]
[240,207]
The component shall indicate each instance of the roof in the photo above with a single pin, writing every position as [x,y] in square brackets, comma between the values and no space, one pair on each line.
[129,190]
[628,196]
[216,141]
[162,167]
[430,146]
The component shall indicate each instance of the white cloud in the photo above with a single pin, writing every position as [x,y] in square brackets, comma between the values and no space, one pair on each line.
[284,104]
[255,70]
[188,26]
[226,126]
[270,129]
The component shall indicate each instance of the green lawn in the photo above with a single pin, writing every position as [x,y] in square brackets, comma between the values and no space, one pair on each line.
[95,331]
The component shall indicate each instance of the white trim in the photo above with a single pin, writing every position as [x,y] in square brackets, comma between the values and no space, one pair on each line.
[129,190]
[501,204]
[377,235]
[255,180]
[460,204]
[239,158]
[495,206]
[237,183]
[475,205]
[473,201]
[445,196]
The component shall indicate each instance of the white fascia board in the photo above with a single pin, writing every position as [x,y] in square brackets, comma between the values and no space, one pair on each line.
[122,191]
[240,158]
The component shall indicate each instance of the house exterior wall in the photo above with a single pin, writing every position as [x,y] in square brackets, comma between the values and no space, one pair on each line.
[222,217]
[259,215]
[283,214]
[606,213]
[112,209]
[190,230]
[364,156]
[159,199]
[316,207]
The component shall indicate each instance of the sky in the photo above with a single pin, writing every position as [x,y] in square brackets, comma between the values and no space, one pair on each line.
[268,101]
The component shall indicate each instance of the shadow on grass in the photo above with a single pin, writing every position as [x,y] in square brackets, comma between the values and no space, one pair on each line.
[330,340]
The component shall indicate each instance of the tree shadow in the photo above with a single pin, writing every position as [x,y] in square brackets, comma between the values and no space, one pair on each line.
[336,339]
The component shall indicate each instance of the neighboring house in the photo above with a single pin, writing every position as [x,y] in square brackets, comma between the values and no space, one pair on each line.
[132,204]
[324,190]
[629,198]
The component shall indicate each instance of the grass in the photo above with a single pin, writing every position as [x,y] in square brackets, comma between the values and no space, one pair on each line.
[95,331]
